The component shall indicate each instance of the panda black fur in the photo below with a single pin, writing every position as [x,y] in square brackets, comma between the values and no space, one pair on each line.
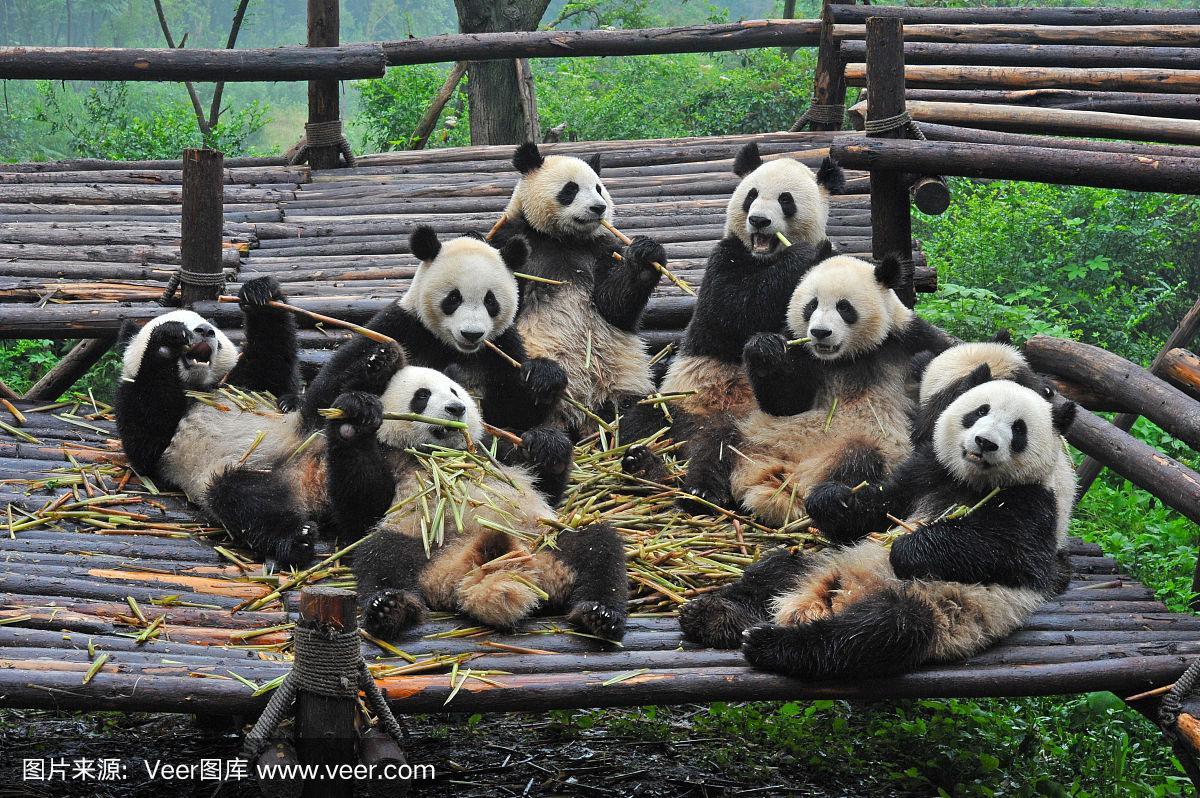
[588,324]
[747,283]
[862,341]
[943,592]
[272,503]
[371,468]
[462,296]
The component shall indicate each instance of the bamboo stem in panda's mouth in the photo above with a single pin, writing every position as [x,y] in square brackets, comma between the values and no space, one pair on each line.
[798,341]
[663,270]
[378,337]
[782,239]
[336,413]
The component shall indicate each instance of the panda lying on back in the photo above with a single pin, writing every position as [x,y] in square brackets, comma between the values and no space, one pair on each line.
[463,296]
[589,323]
[271,500]
[949,589]
[747,283]
[372,466]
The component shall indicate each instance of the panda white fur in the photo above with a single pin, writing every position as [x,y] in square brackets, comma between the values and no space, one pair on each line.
[374,476]
[463,296]
[943,592]
[836,407]
[747,283]
[589,323]
[270,500]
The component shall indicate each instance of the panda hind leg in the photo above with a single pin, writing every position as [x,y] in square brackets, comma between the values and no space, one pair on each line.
[387,567]
[587,579]
[262,509]
[718,619]
[489,593]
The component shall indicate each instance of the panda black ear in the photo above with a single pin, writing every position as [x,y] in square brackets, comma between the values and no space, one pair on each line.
[1002,336]
[594,163]
[514,253]
[747,160]
[831,176]
[129,328]
[920,361]
[424,244]
[527,158]
[1063,415]
[892,272]
[825,250]
[978,376]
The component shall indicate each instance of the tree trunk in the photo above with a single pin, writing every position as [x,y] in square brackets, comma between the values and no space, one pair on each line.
[493,88]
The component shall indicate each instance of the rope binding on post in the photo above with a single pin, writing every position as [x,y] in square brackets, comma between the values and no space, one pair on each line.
[901,121]
[185,276]
[323,134]
[820,115]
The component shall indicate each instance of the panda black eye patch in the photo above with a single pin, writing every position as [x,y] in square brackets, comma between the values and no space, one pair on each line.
[451,302]
[1020,436]
[787,203]
[810,308]
[419,401]
[493,306]
[566,194]
[969,419]
[846,311]
[751,196]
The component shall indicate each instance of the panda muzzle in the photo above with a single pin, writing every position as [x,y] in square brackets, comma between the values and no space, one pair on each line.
[199,352]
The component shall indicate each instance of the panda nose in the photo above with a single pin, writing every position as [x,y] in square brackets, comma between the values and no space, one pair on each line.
[758,222]
[820,333]
[456,409]
[986,444]
[599,209]
[205,331]
[472,335]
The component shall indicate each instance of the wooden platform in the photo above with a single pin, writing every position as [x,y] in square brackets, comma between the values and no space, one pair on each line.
[70,580]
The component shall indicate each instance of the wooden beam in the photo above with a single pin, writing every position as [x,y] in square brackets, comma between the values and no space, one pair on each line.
[1071,167]
[326,735]
[1093,35]
[1031,55]
[1181,368]
[67,371]
[202,221]
[913,15]
[163,64]
[1166,81]
[1178,106]
[324,26]
[937,132]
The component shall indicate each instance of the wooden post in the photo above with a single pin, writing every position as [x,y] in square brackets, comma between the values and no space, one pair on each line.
[324,26]
[829,83]
[528,94]
[891,220]
[325,726]
[202,220]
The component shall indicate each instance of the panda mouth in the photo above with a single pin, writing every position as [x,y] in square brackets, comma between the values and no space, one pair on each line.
[763,243]
[826,349]
[198,353]
[976,459]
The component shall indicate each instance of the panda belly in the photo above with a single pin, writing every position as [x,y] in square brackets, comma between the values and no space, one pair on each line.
[603,363]
[784,457]
[207,441]
[713,385]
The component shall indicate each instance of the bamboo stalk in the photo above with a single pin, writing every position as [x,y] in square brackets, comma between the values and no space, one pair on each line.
[507,357]
[663,270]
[378,337]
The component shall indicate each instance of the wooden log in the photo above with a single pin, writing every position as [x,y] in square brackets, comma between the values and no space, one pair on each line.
[379,751]
[1034,55]
[1136,35]
[156,176]
[429,120]
[936,132]
[891,221]
[325,726]
[1079,168]
[1181,106]
[99,164]
[1033,16]
[276,759]
[1168,81]
[324,26]
[1182,369]
[66,371]
[575,43]
[165,64]
[829,82]
[202,222]
[930,194]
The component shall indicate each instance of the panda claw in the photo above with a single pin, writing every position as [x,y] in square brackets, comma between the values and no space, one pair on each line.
[391,612]
[596,619]
[641,461]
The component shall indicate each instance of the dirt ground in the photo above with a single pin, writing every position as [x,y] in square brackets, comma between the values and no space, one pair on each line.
[479,757]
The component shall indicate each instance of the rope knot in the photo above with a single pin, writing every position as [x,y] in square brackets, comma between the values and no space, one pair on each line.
[901,121]
[322,134]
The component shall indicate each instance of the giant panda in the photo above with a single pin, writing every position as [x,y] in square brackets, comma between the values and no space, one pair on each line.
[372,467]
[588,323]
[836,407]
[265,494]
[954,585]
[463,297]
[748,281]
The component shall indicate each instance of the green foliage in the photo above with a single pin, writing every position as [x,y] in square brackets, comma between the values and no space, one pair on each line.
[23,362]
[392,106]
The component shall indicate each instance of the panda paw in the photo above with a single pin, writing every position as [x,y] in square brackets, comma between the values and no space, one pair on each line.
[362,414]
[641,461]
[765,350]
[715,621]
[837,511]
[169,340]
[256,294]
[297,549]
[593,618]
[288,402]
[709,497]
[376,365]
[768,647]
[390,613]
[547,449]
[642,253]
[545,379]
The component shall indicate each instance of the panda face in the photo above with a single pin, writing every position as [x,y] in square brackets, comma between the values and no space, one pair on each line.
[465,294]
[414,389]
[209,357]
[843,308]
[559,195]
[998,434]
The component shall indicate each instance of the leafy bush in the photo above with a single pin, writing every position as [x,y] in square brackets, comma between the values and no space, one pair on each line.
[23,362]
[393,105]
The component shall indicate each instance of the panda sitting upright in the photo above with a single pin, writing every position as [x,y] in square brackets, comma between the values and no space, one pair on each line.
[589,322]
[747,283]
[463,297]
[483,571]
[259,491]
[961,580]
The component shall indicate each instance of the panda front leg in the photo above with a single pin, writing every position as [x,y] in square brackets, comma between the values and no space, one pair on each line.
[548,453]
[149,406]
[586,577]
[261,508]
[718,619]
[844,512]
[361,487]
[710,465]
[358,365]
[639,422]
[270,356]
[520,398]
[388,567]
[622,290]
